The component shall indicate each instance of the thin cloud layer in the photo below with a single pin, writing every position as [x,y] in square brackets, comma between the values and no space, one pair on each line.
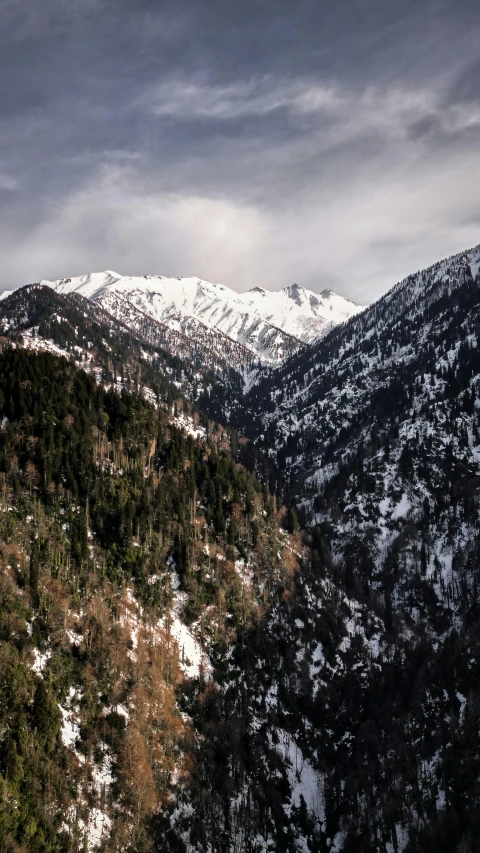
[392,110]
[388,228]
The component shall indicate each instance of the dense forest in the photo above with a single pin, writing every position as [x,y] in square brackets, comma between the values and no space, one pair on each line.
[111,519]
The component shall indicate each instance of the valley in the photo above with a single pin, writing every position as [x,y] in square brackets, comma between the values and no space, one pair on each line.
[239,567]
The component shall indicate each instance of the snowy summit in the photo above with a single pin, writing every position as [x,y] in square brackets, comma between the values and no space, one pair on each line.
[268,323]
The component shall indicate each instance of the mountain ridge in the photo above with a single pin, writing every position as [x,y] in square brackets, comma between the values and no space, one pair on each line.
[320,393]
[271,324]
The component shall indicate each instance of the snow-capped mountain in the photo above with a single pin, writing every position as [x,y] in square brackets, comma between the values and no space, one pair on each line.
[270,325]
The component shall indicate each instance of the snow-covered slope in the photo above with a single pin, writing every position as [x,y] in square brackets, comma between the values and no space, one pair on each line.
[270,324]
[298,311]
[315,410]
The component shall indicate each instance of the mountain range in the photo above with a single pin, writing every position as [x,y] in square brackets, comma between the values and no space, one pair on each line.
[268,324]
[240,567]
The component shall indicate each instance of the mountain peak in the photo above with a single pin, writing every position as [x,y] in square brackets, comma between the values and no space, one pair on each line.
[295,291]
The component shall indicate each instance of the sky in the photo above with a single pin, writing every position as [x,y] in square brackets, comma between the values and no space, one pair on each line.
[248,142]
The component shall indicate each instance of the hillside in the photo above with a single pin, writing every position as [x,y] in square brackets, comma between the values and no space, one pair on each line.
[88,331]
[187,669]
[377,429]
[132,556]
[321,405]
[193,389]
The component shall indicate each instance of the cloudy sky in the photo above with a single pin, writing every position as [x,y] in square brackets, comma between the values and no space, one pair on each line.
[254,142]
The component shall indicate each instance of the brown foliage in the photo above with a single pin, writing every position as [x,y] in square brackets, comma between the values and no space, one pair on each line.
[137,773]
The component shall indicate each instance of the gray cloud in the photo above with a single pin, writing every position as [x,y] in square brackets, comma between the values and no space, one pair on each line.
[332,144]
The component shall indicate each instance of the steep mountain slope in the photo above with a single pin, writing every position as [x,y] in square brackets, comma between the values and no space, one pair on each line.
[191,341]
[132,556]
[214,354]
[269,325]
[37,318]
[186,671]
[323,403]
[173,660]
[181,674]
[373,674]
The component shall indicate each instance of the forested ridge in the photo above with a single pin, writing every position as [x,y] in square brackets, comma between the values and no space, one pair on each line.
[86,332]
[37,318]
[108,513]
